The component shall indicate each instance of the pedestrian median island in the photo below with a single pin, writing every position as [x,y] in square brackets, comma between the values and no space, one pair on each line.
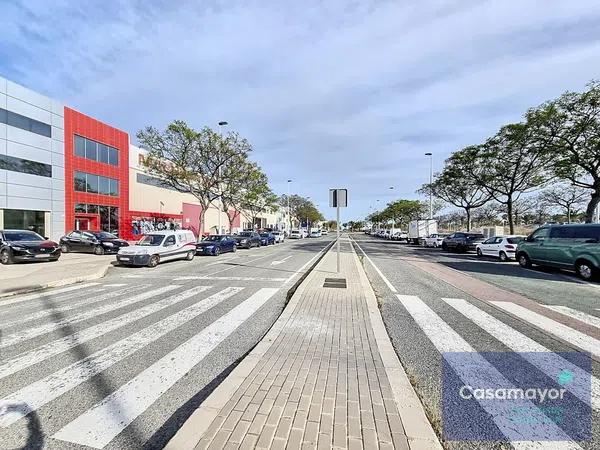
[324,375]
[71,268]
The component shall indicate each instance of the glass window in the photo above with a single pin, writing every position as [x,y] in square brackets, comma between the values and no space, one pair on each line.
[80,207]
[586,232]
[79,146]
[3,114]
[41,128]
[91,150]
[561,232]
[114,187]
[104,185]
[18,121]
[541,234]
[104,218]
[79,183]
[19,219]
[92,209]
[113,156]
[25,166]
[103,153]
[114,220]
[92,183]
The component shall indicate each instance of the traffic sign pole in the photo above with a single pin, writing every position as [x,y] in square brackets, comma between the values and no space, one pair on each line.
[338,236]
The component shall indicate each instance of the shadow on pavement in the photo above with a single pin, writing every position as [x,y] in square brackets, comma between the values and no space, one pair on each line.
[35,437]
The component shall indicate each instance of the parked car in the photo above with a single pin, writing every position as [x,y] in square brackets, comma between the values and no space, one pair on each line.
[24,245]
[503,247]
[315,233]
[279,237]
[295,234]
[215,244]
[159,246]
[434,240]
[97,242]
[324,232]
[267,239]
[400,236]
[574,247]
[247,239]
[462,241]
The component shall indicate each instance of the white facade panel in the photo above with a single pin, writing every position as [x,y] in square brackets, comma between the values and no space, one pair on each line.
[28,110]
[58,172]
[58,134]
[58,159]
[27,95]
[58,108]
[58,185]
[58,121]
[3,176]
[17,190]
[28,203]
[58,195]
[2,146]
[58,228]
[3,85]
[2,131]
[27,152]
[58,206]
[58,146]
[2,189]
[28,138]
[26,179]
[2,101]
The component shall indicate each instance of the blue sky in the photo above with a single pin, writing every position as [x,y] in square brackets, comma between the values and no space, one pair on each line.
[331,93]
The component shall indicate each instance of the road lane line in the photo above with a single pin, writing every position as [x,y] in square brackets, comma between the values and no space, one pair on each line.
[575,314]
[30,333]
[552,364]
[281,261]
[54,348]
[70,306]
[24,298]
[47,389]
[386,281]
[480,372]
[570,335]
[103,422]
[200,277]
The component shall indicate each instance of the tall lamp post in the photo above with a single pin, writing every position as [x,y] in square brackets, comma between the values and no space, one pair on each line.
[288,208]
[220,203]
[430,183]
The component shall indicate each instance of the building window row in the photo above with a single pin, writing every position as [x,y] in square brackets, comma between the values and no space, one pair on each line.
[25,166]
[153,181]
[95,184]
[96,151]
[25,123]
[109,215]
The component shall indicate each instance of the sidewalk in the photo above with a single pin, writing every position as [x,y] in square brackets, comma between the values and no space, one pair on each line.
[325,376]
[70,268]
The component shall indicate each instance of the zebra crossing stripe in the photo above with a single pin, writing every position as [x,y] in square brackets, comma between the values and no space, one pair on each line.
[445,339]
[574,337]
[575,314]
[24,298]
[24,335]
[104,421]
[43,391]
[552,364]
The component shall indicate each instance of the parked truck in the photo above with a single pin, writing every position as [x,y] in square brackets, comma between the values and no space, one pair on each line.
[418,229]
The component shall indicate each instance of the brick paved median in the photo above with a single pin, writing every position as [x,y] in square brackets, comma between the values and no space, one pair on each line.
[319,380]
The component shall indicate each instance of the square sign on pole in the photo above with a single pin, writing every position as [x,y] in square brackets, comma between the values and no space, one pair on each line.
[338,198]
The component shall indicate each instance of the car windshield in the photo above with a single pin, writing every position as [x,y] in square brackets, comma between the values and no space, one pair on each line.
[151,240]
[20,236]
[264,234]
[475,236]
[103,235]
[213,238]
[246,234]
[515,240]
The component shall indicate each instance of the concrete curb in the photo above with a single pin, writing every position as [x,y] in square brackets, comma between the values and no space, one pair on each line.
[100,273]
[188,436]
[418,430]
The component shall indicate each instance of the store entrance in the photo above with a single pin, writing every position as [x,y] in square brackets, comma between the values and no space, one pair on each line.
[87,222]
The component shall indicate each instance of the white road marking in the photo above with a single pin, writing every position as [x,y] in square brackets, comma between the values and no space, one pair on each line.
[37,296]
[200,277]
[23,335]
[54,348]
[281,261]
[47,389]
[386,281]
[101,423]
[70,306]
[552,364]
[115,285]
[564,332]
[478,371]
[575,314]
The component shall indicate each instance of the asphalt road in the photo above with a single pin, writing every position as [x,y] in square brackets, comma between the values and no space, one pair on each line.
[431,311]
[121,363]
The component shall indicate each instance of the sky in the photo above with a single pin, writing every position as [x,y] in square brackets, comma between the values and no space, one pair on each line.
[332,93]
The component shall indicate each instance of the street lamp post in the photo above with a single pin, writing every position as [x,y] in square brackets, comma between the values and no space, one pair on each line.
[288,208]
[430,183]
[220,203]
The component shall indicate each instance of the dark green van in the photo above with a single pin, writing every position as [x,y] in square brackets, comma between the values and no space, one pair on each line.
[573,247]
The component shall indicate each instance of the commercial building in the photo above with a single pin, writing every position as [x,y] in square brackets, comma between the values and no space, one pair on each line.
[62,170]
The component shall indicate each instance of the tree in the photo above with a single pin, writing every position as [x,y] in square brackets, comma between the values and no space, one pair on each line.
[300,208]
[259,200]
[568,197]
[453,187]
[190,161]
[507,165]
[403,211]
[568,128]
[309,212]
[487,214]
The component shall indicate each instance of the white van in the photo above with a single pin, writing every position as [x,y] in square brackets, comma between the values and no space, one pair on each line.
[159,246]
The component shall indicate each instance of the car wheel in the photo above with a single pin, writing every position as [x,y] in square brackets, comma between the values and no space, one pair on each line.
[479,252]
[64,248]
[585,270]
[435,245]
[190,256]
[54,259]
[217,251]
[6,257]
[234,249]
[444,247]
[503,257]
[524,261]
[154,260]
[98,250]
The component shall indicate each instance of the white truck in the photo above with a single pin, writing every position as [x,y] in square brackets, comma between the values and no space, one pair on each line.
[418,229]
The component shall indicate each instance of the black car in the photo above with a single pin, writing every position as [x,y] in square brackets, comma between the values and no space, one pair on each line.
[23,245]
[97,242]
[216,244]
[462,241]
[248,239]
